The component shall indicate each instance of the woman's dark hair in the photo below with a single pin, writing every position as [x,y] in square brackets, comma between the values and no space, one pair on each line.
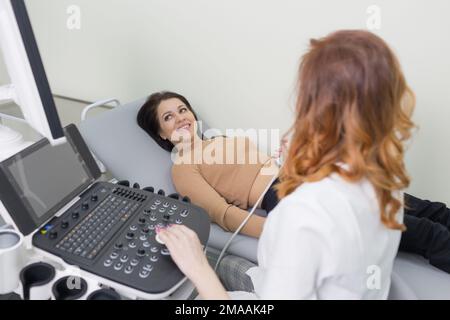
[147,117]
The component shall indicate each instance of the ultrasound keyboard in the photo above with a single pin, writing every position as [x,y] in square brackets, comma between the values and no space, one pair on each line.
[110,232]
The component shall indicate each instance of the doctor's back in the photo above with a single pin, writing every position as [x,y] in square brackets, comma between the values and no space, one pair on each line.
[336,230]
[333,244]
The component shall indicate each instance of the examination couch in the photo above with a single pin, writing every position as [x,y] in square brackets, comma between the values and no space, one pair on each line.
[129,153]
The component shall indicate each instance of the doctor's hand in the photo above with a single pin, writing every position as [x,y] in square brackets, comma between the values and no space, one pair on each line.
[281,151]
[186,250]
[187,253]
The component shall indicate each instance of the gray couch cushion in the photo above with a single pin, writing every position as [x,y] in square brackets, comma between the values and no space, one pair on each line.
[126,150]
[129,153]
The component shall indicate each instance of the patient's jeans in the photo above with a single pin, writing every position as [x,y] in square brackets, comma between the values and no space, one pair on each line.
[427,224]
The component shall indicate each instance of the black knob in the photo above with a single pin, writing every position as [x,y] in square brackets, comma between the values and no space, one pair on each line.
[53,234]
[118,245]
[130,235]
[175,196]
[161,192]
[136,185]
[141,220]
[125,183]
[166,217]
[141,252]
[85,206]
[186,199]
[94,197]
[149,189]
[64,224]
[75,215]
[145,230]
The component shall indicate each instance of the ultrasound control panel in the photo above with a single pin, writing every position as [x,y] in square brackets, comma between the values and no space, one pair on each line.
[111,232]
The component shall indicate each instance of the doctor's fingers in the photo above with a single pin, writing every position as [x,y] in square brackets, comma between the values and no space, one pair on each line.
[183,232]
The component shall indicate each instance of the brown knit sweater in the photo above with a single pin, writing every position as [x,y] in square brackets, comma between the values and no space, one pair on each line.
[221,183]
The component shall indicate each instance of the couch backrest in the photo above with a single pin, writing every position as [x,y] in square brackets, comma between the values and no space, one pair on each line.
[127,151]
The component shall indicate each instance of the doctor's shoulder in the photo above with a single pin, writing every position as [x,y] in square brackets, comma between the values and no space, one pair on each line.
[316,204]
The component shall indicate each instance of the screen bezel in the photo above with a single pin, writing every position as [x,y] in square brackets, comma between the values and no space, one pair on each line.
[19,209]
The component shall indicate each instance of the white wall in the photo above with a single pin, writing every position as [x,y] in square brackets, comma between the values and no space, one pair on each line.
[237,60]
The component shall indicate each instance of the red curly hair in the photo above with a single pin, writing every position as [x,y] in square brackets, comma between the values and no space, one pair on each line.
[353,107]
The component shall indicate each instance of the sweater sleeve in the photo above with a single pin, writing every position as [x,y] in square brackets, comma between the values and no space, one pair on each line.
[189,182]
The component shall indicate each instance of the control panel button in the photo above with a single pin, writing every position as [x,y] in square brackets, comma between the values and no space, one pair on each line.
[146,244]
[184,213]
[108,263]
[154,249]
[114,255]
[118,266]
[158,239]
[134,262]
[148,267]
[144,274]
[165,251]
[141,252]
[129,269]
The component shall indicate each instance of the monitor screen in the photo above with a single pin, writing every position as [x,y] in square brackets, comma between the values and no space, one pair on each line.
[47,176]
[40,180]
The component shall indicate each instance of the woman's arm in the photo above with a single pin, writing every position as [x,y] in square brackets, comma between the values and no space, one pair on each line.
[186,251]
[234,217]
[189,181]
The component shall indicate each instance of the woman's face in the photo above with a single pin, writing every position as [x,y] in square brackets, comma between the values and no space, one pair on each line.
[176,121]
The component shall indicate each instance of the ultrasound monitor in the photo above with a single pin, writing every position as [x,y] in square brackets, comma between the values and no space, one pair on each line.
[43,178]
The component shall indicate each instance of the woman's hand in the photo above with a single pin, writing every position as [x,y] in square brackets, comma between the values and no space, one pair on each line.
[187,253]
[186,250]
[281,151]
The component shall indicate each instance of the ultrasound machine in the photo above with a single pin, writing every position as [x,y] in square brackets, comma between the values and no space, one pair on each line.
[52,192]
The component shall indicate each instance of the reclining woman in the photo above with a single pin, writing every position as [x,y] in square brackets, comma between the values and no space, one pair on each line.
[225,190]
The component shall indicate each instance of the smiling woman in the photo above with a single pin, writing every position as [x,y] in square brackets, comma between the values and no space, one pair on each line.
[165,116]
